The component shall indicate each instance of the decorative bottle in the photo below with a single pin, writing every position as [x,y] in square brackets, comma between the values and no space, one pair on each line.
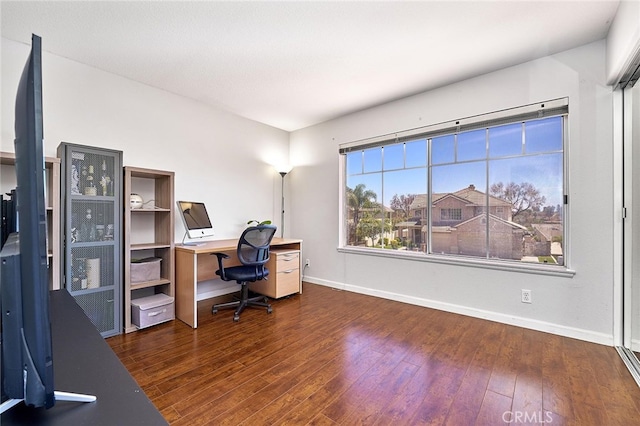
[83,235]
[83,178]
[105,180]
[92,226]
[90,187]
[88,228]
[100,227]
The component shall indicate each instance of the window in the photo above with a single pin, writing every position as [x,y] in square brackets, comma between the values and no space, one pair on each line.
[451,214]
[489,187]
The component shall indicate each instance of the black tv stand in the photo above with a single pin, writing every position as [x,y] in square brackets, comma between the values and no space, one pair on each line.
[58,395]
[84,362]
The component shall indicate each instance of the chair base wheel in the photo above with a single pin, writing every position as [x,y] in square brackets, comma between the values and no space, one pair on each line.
[242,302]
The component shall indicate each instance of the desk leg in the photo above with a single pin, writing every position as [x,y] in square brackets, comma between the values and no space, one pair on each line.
[186,287]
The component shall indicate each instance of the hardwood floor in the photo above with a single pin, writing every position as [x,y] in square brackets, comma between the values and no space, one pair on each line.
[332,357]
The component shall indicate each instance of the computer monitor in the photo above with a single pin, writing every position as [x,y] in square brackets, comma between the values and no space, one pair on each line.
[196,219]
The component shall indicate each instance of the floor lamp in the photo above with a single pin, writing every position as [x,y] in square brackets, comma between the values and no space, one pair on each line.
[283,170]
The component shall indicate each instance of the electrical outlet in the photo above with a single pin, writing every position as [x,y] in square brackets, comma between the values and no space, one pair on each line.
[307,263]
[526,296]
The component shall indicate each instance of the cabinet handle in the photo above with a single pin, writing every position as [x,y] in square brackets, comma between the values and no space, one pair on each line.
[288,272]
[288,258]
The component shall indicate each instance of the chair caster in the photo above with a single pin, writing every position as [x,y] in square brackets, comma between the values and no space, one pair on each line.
[214,311]
[269,310]
[236,318]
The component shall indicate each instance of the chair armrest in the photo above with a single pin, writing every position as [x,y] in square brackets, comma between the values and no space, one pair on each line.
[221,256]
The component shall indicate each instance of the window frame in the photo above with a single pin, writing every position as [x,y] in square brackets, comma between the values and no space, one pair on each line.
[556,107]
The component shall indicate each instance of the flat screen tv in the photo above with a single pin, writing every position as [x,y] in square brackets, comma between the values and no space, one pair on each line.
[27,356]
[196,219]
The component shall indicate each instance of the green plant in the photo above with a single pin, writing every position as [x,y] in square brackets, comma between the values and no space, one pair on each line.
[257,223]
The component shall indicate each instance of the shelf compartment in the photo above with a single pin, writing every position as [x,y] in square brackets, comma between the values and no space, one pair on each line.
[149,246]
[147,284]
[215,287]
[148,210]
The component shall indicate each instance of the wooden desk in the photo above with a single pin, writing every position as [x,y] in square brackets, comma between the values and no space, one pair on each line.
[196,277]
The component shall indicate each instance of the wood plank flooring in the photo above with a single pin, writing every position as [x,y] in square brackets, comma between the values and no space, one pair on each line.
[330,357]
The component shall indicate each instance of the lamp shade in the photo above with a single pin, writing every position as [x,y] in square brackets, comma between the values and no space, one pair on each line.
[283,169]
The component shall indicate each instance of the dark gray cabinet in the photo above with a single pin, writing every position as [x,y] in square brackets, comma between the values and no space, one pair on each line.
[91,191]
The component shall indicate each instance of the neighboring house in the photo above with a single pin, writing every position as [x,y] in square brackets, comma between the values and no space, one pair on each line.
[459,225]
[547,240]
[469,238]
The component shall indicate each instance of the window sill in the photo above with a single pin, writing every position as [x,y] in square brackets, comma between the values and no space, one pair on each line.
[502,265]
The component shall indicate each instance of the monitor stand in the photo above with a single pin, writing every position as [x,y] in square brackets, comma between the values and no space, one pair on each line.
[190,243]
[59,396]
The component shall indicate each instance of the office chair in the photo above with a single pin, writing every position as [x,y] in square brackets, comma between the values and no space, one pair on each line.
[253,253]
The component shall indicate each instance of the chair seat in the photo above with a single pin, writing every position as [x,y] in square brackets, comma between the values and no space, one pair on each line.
[244,273]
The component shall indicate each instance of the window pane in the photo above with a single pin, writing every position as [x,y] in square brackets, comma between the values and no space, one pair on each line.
[458,209]
[443,149]
[393,156]
[362,198]
[354,163]
[472,145]
[405,193]
[543,135]
[505,140]
[372,160]
[417,153]
[531,223]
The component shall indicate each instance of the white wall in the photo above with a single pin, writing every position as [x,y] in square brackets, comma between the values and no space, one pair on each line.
[623,40]
[218,158]
[581,306]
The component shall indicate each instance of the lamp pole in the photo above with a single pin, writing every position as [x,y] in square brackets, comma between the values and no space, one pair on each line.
[283,170]
[283,174]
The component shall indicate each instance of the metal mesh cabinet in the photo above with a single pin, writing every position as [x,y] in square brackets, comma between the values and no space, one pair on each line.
[91,191]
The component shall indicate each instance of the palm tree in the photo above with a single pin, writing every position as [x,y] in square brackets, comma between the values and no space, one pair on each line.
[358,199]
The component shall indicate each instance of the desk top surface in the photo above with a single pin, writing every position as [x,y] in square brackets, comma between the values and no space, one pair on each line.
[84,363]
[232,244]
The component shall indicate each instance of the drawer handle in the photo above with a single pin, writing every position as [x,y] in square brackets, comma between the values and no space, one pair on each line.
[288,272]
[288,258]
[153,314]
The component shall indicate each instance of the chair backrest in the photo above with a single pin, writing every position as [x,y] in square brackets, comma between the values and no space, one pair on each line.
[253,246]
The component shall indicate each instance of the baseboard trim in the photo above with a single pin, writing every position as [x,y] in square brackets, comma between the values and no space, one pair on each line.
[547,327]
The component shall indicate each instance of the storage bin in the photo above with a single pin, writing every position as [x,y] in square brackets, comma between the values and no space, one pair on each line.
[143,270]
[151,310]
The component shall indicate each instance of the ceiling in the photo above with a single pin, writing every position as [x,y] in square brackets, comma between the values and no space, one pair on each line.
[294,64]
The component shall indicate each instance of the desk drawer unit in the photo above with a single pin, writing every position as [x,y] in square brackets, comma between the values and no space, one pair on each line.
[284,275]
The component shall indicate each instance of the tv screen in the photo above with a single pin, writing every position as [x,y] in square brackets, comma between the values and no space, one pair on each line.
[196,219]
[27,363]
[27,353]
